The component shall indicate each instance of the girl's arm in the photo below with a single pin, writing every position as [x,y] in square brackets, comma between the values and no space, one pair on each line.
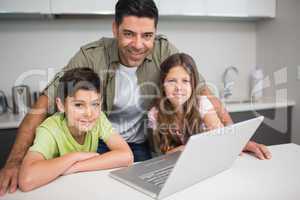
[37,171]
[221,112]
[208,114]
[119,155]
[179,148]
[211,120]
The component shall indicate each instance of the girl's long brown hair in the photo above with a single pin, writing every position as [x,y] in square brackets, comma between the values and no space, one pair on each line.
[168,133]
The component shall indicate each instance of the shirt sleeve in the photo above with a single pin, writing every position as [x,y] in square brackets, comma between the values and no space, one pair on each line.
[106,129]
[164,47]
[205,106]
[202,83]
[168,49]
[79,60]
[44,143]
[51,92]
[152,118]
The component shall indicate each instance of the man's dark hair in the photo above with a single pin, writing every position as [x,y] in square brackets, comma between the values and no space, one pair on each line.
[138,8]
[75,79]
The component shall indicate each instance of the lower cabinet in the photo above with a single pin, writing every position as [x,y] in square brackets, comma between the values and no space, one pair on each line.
[276,128]
[7,138]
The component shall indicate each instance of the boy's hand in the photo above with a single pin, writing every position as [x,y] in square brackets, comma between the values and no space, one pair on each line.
[71,170]
[79,156]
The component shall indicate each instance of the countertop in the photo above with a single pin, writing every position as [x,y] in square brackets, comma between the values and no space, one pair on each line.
[10,120]
[252,106]
[248,178]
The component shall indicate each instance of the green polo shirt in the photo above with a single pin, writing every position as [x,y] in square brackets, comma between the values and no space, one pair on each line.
[103,57]
[53,138]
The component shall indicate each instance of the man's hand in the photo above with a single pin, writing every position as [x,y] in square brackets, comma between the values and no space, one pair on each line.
[259,150]
[26,133]
[9,177]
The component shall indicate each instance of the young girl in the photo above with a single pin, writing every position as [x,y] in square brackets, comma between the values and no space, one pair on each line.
[66,142]
[180,111]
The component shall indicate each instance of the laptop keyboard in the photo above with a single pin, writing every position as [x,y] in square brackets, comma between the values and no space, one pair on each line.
[157,177]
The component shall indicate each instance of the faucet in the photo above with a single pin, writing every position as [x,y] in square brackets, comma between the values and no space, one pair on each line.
[228,81]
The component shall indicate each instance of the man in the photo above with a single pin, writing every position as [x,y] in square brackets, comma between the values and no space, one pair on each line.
[128,66]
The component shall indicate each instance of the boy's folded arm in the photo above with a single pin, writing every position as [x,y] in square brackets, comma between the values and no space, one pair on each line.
[119,155]
[37,171]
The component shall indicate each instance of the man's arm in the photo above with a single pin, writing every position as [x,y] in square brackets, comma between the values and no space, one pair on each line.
[25,137]
[259,150]
[26,131]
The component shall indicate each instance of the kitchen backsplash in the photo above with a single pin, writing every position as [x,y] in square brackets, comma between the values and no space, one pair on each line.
[41,47]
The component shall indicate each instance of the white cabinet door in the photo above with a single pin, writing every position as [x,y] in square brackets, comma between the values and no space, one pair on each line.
[261,8]
[227,8]
[182,7]
[83,6]
[25,6]
[218,8]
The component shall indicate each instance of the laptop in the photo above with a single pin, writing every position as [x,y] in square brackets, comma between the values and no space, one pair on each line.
[204,155]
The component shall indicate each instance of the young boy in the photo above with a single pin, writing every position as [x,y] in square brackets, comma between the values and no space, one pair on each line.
[67,141]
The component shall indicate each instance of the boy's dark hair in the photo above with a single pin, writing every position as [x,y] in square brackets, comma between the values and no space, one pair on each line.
[75,79]
[138,8]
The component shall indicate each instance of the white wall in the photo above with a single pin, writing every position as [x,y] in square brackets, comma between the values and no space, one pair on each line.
[278,48]
[34,44]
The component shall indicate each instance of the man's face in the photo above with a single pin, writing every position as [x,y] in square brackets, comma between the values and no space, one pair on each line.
[135,36]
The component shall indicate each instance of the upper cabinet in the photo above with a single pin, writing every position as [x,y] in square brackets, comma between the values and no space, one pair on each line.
[206,8]
[227,8]
[261,8]
[104,7]
[182,7]
[25,6]
[218,8]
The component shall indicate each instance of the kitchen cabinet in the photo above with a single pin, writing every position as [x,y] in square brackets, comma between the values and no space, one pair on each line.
[228,8]
[9,124]
[204,8]
[7,139]
[28,6]
[83,6]
[276,128]
[218,8]
[261,8]
[179,7]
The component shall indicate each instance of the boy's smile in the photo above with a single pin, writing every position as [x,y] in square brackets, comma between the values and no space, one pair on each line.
[82,111]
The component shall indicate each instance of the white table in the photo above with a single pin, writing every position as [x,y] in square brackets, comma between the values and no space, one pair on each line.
[248,178]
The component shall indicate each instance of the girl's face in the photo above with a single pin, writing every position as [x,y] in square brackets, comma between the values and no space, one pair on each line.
[177,86]
[82,110]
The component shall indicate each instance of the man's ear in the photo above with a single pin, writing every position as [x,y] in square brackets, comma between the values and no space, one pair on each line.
[60,105]
[115,29]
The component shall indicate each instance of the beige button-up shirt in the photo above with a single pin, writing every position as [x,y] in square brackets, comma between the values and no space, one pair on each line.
[103,57]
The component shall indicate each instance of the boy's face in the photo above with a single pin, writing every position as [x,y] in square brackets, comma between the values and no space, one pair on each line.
[82,110]
[135,36]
